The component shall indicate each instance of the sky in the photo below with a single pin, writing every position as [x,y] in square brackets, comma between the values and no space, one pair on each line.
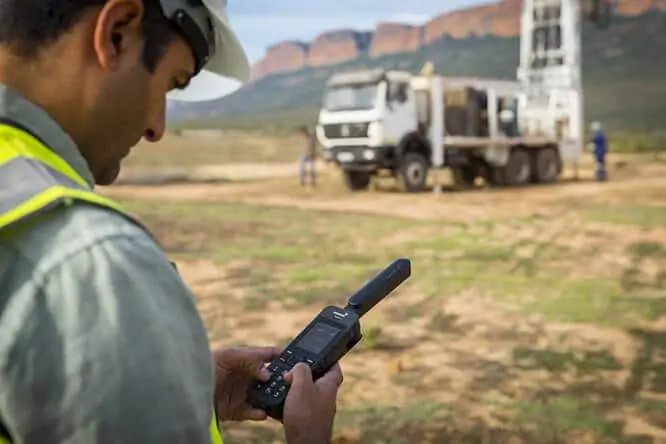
[262,23]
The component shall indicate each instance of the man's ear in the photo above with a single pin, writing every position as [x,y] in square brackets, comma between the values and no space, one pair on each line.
[117,30]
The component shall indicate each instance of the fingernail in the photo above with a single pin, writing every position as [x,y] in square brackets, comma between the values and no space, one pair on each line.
[265,373]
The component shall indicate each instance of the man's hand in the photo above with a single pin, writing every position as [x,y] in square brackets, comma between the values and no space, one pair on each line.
[235,370]
[310,407]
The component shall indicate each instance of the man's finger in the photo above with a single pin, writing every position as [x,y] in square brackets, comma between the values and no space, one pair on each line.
[332,380]
[333,375]
[267,354]
[261,355]
[262,373]
[299,374]
[255,415]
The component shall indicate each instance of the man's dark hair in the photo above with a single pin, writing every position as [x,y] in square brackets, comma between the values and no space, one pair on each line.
[28,26]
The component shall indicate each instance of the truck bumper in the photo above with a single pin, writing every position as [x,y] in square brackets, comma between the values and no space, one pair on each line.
[362,158]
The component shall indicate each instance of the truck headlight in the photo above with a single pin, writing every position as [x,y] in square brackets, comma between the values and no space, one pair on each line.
[375,132]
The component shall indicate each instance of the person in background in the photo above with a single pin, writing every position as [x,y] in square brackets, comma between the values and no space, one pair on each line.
[600,146]
[308,157]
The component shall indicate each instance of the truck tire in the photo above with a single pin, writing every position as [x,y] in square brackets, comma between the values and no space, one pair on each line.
[413,172]
[545,165]
[464,176]
[518,170]
[495,177]
[357,180]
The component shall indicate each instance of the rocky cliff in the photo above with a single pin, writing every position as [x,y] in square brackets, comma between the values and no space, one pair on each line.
[501,18]
[637,7]
[285,56]
[391,38]
[337,46]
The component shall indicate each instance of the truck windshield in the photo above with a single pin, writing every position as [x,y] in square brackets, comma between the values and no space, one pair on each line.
[350,97]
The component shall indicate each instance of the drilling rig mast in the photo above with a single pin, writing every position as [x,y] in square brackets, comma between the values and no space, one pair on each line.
[550,71]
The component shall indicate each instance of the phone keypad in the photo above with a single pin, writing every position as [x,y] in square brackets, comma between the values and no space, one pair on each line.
[276,387]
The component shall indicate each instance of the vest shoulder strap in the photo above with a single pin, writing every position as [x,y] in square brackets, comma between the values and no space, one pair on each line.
[34,180]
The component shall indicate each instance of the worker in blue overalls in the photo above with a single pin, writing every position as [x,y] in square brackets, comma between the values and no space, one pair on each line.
[600,143]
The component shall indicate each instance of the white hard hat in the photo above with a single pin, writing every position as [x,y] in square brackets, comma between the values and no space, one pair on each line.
[216,48]
[596,126]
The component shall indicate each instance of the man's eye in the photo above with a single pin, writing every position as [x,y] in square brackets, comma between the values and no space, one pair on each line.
[178,85]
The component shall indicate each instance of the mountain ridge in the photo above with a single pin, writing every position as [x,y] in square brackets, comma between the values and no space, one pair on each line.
[500,18]
[624,77]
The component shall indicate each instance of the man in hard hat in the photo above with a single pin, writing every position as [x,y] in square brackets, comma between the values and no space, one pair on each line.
[600,147]
[100,339]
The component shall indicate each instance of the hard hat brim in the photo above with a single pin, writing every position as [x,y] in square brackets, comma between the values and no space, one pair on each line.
[230,59]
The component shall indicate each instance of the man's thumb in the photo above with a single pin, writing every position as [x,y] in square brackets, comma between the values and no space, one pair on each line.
[298,374]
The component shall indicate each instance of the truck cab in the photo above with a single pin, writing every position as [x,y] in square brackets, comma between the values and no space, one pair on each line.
[364,118]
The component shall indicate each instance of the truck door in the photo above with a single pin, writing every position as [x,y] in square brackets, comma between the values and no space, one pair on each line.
[400,117]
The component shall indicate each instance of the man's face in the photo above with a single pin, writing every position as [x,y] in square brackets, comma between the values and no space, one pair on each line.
[124,101]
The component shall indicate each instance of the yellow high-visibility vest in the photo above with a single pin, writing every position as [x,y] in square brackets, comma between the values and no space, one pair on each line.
[21,153]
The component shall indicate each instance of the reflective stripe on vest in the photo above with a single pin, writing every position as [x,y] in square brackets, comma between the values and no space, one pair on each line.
[34,180]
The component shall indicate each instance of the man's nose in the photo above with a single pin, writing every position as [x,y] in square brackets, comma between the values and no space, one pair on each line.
[155,133]
[157,125]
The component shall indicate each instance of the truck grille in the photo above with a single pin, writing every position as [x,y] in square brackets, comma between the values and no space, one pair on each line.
[346,130]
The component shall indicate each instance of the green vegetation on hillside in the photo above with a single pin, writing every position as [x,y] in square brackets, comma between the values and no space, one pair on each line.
[624,76]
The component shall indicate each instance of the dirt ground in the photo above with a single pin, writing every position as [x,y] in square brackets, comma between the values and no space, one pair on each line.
[474,370]
[275,184]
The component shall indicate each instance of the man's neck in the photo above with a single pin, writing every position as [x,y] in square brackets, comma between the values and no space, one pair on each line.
[44,82]
[33,95]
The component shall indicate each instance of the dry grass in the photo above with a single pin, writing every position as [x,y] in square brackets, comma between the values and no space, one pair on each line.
[195,149]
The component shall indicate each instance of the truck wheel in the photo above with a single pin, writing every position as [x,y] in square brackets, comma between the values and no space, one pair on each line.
[545,165]
[518,171]
[413,172]
[491,175]
[357,180]
[495,177]
[464,176]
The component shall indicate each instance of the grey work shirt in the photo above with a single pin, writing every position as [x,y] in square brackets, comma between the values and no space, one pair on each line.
[100,339]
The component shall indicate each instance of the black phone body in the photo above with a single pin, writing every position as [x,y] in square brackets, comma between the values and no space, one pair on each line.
[326,339]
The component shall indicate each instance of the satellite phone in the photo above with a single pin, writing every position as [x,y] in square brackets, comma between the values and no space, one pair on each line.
[326,339]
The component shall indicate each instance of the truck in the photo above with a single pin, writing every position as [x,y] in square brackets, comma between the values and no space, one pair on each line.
[378,121]
[505,132]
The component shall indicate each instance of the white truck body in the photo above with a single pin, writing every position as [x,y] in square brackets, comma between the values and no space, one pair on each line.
[359,98]
[497,143]
[370,120]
